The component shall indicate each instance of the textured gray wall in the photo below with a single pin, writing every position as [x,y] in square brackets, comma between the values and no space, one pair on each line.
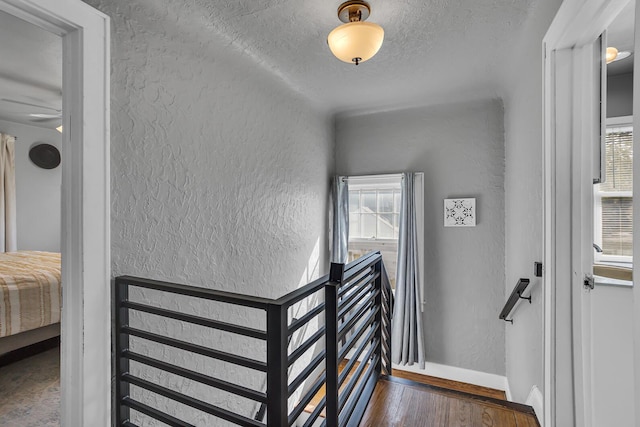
[620,95]
[38,191]
[523,199]
[460,149]
[220,179]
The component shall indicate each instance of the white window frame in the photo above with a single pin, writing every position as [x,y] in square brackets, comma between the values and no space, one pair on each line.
[599,257]
[381,181]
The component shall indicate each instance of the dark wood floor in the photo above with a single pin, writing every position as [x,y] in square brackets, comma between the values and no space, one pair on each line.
[402,403]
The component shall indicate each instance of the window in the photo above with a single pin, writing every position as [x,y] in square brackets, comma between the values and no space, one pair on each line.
[613,199]
[374,218]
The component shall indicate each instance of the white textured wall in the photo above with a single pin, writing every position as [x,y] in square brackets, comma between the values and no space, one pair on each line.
[523,199]
[219,173]
[38,191]
[460,149]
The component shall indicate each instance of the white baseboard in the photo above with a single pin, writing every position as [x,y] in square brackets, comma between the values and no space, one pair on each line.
[507,390]
[453,373]
[536,401]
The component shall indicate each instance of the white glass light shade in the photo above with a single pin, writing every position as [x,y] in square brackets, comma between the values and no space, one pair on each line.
[360,40]
[612,54]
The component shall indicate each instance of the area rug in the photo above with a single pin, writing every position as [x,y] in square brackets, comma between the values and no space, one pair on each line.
[30,391]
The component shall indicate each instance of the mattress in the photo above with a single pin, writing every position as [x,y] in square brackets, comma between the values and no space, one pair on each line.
[30,291]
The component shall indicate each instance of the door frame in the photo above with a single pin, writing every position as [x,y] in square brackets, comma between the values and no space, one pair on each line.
[567,365]
[85,238]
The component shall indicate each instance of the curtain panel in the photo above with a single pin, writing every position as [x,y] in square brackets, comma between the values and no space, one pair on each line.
[8,239]
[339,220]
[407,343]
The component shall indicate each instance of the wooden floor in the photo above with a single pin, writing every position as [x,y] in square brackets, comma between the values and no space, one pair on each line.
[408,399]
[401,403]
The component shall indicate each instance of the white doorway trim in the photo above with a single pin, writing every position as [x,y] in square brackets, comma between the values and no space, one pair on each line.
[578,23]
[85,244]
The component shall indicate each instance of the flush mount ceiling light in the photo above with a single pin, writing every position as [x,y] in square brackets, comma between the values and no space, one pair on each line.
[356,41]
[614,55]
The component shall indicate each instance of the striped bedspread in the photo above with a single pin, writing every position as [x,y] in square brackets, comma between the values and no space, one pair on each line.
[30,290]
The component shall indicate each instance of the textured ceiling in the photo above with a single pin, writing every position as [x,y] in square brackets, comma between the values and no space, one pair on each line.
[434,50]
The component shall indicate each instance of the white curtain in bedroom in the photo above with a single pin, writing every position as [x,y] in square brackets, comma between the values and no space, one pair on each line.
[8,240]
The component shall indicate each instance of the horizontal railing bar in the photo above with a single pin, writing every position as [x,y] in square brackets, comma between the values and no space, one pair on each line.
[194,348]
[197,320]
[355,318]
[357,297]
[190,401]
[316,413]
[299,323]
[197,292]
[303,292]
[197,376]
[295,355]
[352,340]
[354,359]
[304,401]
[348,286]
[344,395]
[368,259]
[302,376]
[353,270]
[363,281]
[346,414]
[154,413]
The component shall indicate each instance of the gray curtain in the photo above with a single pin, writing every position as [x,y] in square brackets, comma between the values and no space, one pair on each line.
[339,220]
[8,239]
[407,340]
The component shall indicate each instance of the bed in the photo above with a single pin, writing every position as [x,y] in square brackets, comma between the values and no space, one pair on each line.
[30,298]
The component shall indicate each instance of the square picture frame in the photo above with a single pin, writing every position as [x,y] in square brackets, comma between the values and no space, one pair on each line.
[460,212]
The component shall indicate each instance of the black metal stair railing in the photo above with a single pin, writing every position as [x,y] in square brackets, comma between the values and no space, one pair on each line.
[347,351]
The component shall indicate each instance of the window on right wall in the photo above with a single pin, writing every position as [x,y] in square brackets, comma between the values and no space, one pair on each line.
[613,199]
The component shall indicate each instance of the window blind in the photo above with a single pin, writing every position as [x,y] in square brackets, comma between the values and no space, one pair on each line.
[616,193]
[619,160]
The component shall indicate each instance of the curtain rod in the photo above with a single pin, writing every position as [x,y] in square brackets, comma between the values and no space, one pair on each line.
[385,176]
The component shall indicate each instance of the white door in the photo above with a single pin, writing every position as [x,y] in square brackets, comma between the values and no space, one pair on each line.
[578,346]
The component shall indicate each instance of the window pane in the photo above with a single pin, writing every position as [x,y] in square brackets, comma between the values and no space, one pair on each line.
[619,160]
[385,201]
[385,226]
[396,201]
[354,225]
[396,225]
[354,201]
[368,226]
[617,226]
[368,201]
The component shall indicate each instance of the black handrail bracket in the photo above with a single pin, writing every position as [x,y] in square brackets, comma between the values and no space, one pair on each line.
[516,295]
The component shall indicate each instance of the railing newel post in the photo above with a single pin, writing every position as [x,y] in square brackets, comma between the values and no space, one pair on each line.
[331,295]
[122,388]
[379,287]
[277,366]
